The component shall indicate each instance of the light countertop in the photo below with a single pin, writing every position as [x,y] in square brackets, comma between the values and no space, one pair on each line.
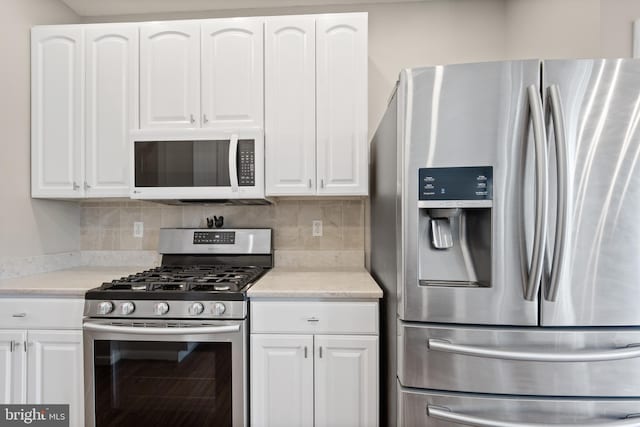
[354,283]
[69,283]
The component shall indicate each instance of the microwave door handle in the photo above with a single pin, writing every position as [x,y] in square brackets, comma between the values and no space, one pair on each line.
[146,330]
[233,162]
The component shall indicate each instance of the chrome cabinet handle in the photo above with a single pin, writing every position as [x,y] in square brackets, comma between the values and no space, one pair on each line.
[320,352]
[629,352]
[233,162]
[205,119]
[313,319]
[19,315]
[86,185]
[141,330]
[445,414]
[540,232]
[192,118]
[322,183]
[76,187]
[556,113]
[305,351]
[309,182]
[12,345]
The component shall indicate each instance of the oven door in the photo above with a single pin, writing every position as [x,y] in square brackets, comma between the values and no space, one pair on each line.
[196,164]
[144,373]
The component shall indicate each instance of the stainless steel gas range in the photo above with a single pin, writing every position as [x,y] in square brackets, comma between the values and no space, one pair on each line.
[168,346]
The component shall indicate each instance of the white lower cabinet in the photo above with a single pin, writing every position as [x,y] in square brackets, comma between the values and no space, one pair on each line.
[42,366]
[54,370]
[13,388]
[313,379]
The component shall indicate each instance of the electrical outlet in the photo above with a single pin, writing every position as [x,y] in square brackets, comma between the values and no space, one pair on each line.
[316,228]
[138,229]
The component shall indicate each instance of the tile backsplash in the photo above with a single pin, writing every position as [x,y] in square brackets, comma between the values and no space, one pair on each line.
[108,226]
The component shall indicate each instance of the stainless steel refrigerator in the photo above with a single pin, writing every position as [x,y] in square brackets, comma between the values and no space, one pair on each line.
[505,232]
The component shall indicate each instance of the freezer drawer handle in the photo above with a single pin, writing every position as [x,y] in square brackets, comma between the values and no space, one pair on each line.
[445,414]
[136,330]
[629,352]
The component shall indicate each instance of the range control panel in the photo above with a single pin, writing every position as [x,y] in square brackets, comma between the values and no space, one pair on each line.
[457,183]
[246,163]
[214,238]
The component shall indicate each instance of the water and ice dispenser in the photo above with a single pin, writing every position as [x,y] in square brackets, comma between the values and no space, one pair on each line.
[454,222]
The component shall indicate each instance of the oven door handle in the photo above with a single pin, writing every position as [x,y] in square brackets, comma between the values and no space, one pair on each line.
[145,330]
[233,162]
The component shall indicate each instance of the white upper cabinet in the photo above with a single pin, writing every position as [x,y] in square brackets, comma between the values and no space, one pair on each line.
[111,107]
[290,105]
[341,67]
[170,75]
[57,84]
[232,73]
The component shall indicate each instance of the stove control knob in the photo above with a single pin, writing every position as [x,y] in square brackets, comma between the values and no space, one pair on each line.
[127,308]
[160,308]
[219,309]
[105,307]
[196,308]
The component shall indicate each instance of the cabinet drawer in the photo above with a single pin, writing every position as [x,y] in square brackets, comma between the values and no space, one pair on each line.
[41,313]
[314,317]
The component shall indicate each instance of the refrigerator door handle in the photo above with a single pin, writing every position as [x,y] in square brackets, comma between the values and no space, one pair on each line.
[556,113]
[445,414]
[540,231]
[629,352]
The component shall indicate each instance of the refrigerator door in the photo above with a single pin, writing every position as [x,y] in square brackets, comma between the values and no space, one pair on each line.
[527,361]
[471,115]
[441,409]
[596,252]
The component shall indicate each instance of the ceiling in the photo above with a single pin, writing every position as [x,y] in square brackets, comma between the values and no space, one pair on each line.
[126,7]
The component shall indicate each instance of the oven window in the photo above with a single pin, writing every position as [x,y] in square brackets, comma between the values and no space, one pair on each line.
[162,383]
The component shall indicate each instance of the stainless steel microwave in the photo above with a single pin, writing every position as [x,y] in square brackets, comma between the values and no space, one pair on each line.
[197,165]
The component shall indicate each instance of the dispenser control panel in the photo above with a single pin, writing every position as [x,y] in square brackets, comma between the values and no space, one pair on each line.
[457,183]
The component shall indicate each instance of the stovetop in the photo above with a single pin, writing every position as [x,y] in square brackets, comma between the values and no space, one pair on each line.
[182,282]
[205,274]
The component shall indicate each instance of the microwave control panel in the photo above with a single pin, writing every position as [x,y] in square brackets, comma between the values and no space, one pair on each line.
[214,238]
[246,163]
[457,183]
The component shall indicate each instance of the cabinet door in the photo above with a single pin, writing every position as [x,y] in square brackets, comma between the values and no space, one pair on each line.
[57,85]
[290,99]
[346,381]
[232,73]
[55,371]
[342,104]
[170,75]
[281,380]
[111,108]
[13,374]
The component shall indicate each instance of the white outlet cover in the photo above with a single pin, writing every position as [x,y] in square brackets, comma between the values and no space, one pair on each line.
[138,229]
[316,228]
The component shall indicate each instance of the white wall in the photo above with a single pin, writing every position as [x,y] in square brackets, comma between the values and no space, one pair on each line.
[552,29]
[27,227]
[616,24]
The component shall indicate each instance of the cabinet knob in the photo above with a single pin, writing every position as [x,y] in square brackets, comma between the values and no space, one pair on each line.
[76,187]
[205,119]
[193,119]
[86,185]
